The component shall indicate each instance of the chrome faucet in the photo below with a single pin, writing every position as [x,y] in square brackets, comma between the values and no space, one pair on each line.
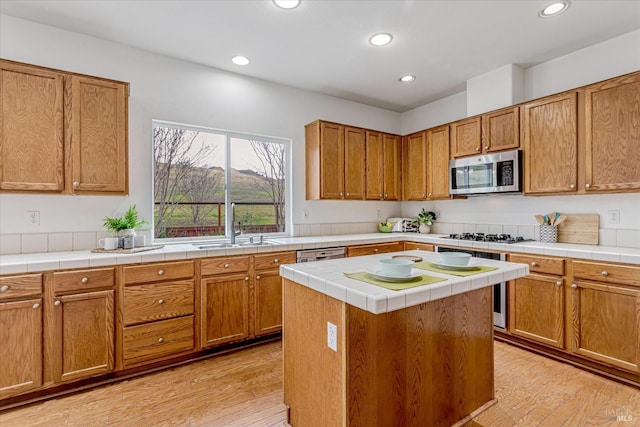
[234,233]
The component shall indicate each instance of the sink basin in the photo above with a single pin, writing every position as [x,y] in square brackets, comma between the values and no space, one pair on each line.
[263,243]
[243,243]
[216,246]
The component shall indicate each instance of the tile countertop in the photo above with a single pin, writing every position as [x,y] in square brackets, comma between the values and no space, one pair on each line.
[23,263]
[327,277]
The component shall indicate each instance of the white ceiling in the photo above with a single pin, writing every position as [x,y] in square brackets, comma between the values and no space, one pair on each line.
[322,45]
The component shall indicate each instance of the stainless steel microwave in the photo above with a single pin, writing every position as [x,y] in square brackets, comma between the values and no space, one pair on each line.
[490,173]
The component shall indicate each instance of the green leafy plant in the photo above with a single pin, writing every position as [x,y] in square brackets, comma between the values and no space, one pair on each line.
[130,220]
[426,217]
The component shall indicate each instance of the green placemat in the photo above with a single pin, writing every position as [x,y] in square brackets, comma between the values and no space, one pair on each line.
[418,281]
[463,273]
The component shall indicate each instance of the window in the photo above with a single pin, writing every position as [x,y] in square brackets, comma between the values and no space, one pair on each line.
[200,172]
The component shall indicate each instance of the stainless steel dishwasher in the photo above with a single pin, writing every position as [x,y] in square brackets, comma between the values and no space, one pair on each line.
[308,255]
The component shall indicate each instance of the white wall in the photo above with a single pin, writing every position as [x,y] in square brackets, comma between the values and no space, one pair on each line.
[612,58]
[442,111]
[169,89]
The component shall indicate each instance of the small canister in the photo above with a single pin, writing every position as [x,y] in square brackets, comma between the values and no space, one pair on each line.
[128,242]
[548,233]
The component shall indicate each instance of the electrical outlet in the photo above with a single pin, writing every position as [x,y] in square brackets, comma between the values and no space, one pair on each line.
[332,336]
[614,217]
[33,217]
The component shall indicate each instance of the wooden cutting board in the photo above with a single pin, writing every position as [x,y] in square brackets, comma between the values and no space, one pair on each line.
[579,228]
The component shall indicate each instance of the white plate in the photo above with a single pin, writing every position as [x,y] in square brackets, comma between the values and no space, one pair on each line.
[386,278]
[471,266]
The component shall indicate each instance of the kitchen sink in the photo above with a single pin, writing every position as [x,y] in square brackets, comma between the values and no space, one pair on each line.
[244,243]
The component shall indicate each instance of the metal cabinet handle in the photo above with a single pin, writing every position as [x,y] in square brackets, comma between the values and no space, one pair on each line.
[375,250]
[226,266]
[5,288]
[605,274]
[486,147]
[160,340]
[36,306]
[574,286]
[534,264]
[276,260]
[76,184]
[423,195]
[57,303]
[558,283]
[347,194]
[380,196]
[572,186]
[478,149]
[161,301]
[160,272]
[340,194]
[258,277]
[587,186]
[386,195]
[84,280]
[246,278]
[429,194]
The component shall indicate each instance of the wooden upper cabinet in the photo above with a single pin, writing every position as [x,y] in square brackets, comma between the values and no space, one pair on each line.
[31,133]
[62,132]
[414,153]
[501,130]
[551,144]
[383,166]
[97,135]
[466,137]
[354,163]
[612,135]
[438,163]
[324,150]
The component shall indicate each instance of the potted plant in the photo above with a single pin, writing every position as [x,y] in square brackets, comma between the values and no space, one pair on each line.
[425,220]
[126,224]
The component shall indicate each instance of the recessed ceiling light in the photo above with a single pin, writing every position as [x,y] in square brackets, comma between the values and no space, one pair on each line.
[287,4]
[554,9]
[240,60]
[381,39]
[408,78]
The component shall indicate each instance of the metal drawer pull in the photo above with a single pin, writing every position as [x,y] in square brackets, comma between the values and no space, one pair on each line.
[76,184]
[605,274]
[558,283]
[226,266]
[574,286]
[160,340]
[375,250]
[572,186]
[587,186]
[534,264]
[84,280]
[258,277]
[276,260]
[5,288]
[246,278]
[160,272]
[57,303]
[36,306]
[160,301]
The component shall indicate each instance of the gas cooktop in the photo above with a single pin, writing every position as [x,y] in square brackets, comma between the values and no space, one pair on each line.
[481,237]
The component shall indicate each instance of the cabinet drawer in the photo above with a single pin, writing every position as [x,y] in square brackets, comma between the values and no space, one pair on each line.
[379,248]
[157,301]
[83,280]
[157,339]
[410,246]
[223,265]
[607,273]
[155,272]
[29,285]
[540,264]
[274,260]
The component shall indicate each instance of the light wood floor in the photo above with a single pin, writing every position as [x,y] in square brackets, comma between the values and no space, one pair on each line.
[245,389]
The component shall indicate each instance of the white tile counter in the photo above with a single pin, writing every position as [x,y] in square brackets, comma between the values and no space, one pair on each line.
[328,277]
[23,263]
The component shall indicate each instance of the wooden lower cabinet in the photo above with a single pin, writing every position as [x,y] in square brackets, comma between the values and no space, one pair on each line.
[155,340]
[20,346]
[225,309]
[268,302]
[83,335]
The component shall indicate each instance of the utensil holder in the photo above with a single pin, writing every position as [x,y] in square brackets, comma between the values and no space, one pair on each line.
[548,233]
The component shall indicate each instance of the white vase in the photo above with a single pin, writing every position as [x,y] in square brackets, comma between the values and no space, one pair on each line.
[424,228]
[127,232]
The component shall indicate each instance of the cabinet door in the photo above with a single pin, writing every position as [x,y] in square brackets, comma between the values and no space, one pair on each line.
[550,145]
[268,302]
[415,166]
[83,335]
[21,346]
[354,168]
[466,137]
[606,320]
[31,129]
[536,309]
[438,169]
[225,309]
[501,130]
[331,161]
[392,166]
[374,153]
[612,136]
[97,114]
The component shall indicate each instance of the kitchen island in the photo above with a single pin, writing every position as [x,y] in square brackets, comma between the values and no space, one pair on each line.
[414,357]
